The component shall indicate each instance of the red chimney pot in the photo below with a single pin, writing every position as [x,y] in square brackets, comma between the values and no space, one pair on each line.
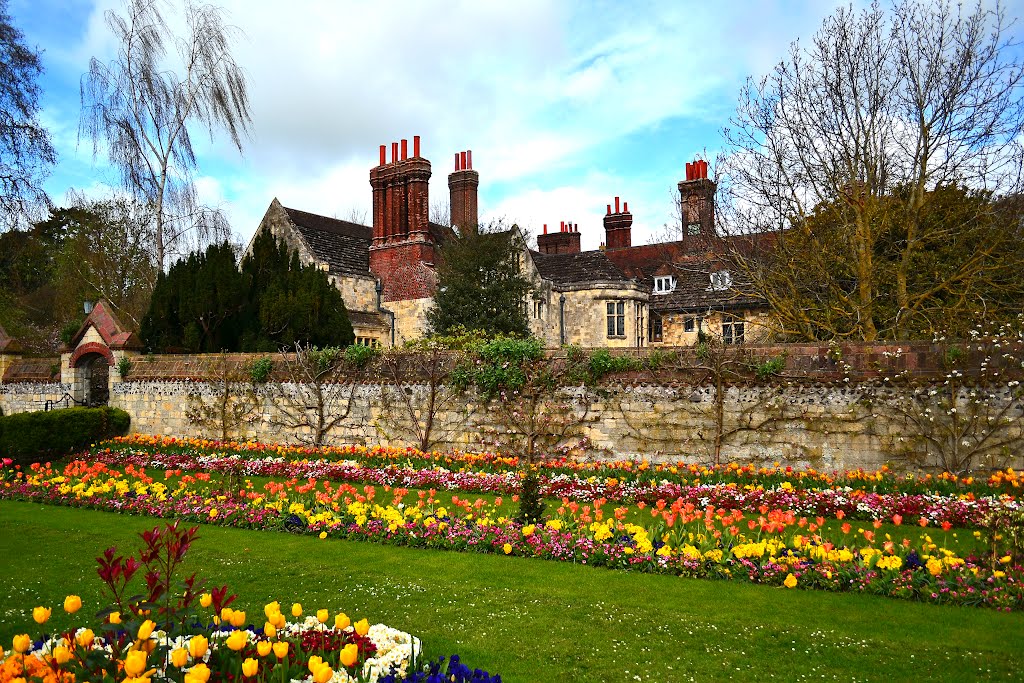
[394,152]
[616,205]
[462,160]
[383,154]
[469,159]
[405,149]
[625,207]
[545,228]
[416,146]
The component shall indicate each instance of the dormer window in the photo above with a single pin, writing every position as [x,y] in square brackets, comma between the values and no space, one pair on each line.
[664,284]
[721,280]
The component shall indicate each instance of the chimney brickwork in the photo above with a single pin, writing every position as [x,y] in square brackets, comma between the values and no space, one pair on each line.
[402,250]
[463,184]
[697,200]
[618,227]
[565,241]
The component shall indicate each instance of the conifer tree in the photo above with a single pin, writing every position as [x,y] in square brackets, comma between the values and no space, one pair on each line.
[480,284]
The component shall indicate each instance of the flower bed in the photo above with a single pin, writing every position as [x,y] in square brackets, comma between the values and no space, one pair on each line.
[173,632]
[804,494]
[769,545]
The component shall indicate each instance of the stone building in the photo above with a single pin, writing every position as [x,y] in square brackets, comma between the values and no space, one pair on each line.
[618,296]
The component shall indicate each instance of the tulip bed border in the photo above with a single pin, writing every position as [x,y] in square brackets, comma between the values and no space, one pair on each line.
[962,510]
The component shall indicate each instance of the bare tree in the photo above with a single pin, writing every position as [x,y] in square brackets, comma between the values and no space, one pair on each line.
[25,150]
[418,400]
[230,401]
[141,105]
[838,152]
[314,392]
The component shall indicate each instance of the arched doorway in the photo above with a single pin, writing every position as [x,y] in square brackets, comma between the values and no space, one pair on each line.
[91,371]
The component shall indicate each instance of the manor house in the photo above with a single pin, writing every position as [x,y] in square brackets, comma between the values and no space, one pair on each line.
[620,295]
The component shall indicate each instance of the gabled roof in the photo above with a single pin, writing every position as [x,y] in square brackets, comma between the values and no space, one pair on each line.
[7,343]
[114,334]
[585,266]
[344,246]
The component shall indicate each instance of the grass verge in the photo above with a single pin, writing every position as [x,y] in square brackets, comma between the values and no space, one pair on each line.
[533,620]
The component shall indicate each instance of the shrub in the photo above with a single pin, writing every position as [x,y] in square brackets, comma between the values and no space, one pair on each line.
[259,371]
[124,366]
[770,367]
[359,356]
[42,436]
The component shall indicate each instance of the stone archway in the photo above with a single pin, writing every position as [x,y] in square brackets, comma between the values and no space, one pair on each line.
[90,369]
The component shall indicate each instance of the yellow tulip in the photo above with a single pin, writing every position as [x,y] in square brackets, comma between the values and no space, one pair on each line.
[179,657]
[225,615]
[263,648]
[341,621]
[323,535]
[72,604]
[238,619]
[61,655]
[1006,559]
[269,630]
[135,662]
[41,614]
[197,646]
[790,581]
[22,643]
[85,638]
[314,662]
[115,617]
[271,609]
[296,610]
[350,654]
[362,626]
[281,649]
[321,616]
[323,674]
[250,667]
[206,600]
[237,640]
[146,629]
[200,673]
[279,620]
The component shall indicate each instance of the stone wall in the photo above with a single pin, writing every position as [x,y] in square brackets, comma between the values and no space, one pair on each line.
[833,409]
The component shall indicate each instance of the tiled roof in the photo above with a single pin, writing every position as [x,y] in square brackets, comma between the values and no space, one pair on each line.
[693,291]
[586,266]
[7,343]
[114,334]
[343,245]
[366,319]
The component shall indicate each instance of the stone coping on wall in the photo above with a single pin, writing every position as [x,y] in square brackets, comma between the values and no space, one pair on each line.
[32,370]
[803,363]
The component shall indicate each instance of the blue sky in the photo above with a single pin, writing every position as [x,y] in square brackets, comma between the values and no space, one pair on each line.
[564,104]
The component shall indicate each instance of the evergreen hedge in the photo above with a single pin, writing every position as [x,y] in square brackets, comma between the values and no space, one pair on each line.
[48,435]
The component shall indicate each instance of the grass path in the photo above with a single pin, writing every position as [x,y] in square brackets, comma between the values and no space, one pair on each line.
[534,620]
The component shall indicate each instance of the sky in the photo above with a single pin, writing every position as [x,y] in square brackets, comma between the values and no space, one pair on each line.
[565,105]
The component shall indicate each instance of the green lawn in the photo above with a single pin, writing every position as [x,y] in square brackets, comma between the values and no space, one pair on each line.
[534,620]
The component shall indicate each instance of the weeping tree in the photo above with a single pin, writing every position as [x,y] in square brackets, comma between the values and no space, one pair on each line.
[141,104]
[844,158]
[25,149]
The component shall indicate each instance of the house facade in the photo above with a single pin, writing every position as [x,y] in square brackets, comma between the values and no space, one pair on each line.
[619,296]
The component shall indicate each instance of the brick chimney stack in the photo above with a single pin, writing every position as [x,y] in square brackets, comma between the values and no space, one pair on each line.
[565,241]
[617,226]
[463,184]
[402,250]
[697,195]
